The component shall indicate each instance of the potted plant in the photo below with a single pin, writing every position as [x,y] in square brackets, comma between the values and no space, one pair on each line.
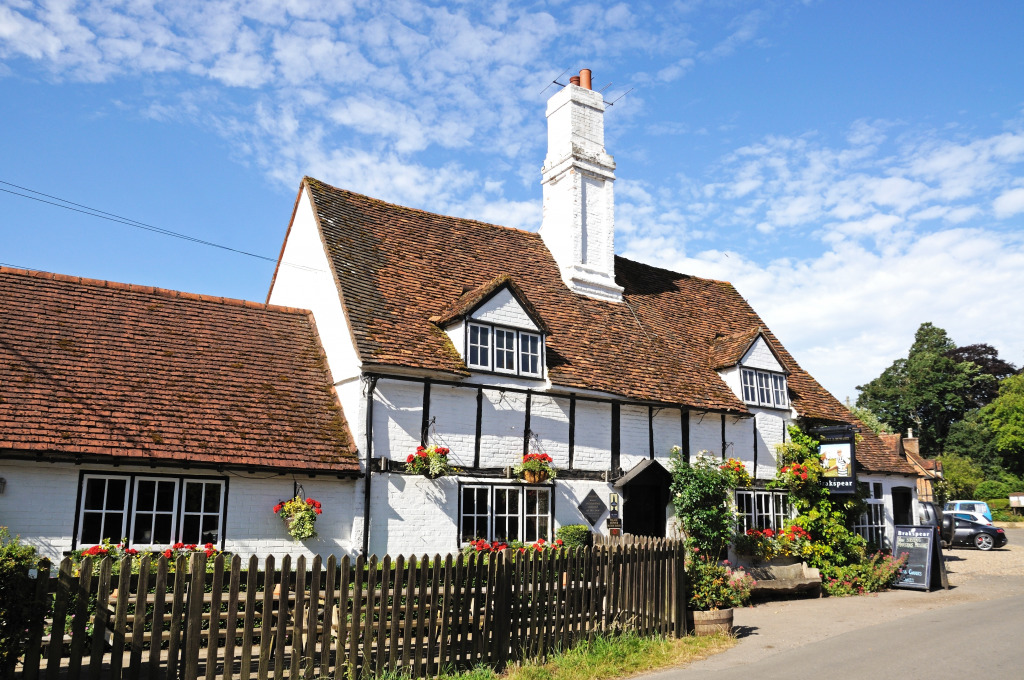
[299,516]
[737,473]
[429,461]
[535,468]
[715,588]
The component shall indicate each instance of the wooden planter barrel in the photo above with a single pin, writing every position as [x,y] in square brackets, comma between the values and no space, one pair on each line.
[712,622]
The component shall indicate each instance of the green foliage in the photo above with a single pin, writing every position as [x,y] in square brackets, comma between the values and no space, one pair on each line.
[825,519]
[871,576]
[16,593]
[701,495]
[929,390]
[574,535]
[716,586]
[960,478]
[867,416]
[1005,417]
[972,438]
[990,488]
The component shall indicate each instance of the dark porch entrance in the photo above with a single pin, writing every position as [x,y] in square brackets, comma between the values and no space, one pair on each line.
[645,497]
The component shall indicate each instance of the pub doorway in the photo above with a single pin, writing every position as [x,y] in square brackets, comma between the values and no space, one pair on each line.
[645,496]
[901,506]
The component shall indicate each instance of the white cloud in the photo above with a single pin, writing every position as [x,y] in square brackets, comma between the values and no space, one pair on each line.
[1009,203]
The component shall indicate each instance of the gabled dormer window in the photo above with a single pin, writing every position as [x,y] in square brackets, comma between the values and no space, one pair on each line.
[764,388]
[504,350]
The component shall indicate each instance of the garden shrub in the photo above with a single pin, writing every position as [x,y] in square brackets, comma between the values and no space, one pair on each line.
[826,520]
[990,489]
[871,576]
[574,535]
[17,591]
[700,494]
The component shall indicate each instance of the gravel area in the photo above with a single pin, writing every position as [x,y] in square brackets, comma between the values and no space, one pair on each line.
[963,564]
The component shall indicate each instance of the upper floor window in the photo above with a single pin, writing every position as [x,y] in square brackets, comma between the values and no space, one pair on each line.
[504,350]
[763,388]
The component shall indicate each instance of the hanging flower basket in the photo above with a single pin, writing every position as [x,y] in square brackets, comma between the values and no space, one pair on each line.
[429,461]
[535,468]
[299,516]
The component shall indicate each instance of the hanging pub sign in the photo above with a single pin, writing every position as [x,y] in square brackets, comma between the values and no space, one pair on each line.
[837,453]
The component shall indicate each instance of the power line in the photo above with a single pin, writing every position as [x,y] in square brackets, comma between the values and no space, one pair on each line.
[120,219]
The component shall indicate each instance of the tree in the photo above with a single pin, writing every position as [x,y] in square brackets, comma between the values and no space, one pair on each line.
[972,438]
[869,419]
[1005,418]
[925,391]
[960,477]
[991,368]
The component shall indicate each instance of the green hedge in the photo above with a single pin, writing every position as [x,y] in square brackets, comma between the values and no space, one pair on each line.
[574,535]
[16,593]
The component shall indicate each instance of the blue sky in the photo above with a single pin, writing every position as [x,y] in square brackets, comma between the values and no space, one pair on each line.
[854,168]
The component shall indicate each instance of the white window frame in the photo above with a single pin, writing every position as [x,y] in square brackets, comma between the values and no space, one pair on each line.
[203,512]
[508,351]
[764,388]
[130,507]
[761,509]
[526,355]
[522,513]
[483,348]
[154,512]
[871,523]
[125,511]
[487,352]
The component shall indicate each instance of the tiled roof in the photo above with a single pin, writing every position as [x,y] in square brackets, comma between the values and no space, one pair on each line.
[727,350]
[396,267]
[472,299]
[94,368]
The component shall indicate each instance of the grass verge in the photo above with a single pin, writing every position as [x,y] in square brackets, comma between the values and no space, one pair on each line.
[605,658]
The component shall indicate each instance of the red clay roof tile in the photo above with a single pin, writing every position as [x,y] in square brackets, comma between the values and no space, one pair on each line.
[396,267]
[135,372]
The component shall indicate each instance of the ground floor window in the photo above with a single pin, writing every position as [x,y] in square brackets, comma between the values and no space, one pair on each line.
[759,509]
[156,510]
[504,513]
[871,524]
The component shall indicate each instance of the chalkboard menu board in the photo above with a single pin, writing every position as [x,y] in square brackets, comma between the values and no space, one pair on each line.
[924,567]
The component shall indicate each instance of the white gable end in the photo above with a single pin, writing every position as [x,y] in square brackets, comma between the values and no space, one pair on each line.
[504,310]
[760,356]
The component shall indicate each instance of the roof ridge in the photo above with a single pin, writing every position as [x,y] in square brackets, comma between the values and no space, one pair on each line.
[137,288]
[314,180]
[672,271]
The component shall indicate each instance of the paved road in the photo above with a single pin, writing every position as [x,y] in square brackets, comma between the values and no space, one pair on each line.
[971,631]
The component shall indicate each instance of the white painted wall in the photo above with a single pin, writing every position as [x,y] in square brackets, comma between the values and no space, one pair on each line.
[593,442]
[549,421]
[250,525]
[760,356]
[311,286]
[504,310]
[634,436]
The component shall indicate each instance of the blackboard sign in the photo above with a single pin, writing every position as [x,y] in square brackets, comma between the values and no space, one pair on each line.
[924,568]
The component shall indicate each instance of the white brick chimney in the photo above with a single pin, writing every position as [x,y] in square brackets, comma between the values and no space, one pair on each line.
[579,209]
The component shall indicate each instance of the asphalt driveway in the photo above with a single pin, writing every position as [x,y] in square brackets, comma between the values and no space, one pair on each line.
[903,631]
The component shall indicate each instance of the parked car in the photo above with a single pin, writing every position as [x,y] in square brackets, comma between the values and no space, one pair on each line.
[981,536]
[969,506]
[972,517]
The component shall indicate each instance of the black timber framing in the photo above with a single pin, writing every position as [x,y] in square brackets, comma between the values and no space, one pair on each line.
[650,432]
[616,436]
[754,419]
[723,436]
[425,425]
[479,426]
[369,458]
[572,429]
[573,397]
[526,424]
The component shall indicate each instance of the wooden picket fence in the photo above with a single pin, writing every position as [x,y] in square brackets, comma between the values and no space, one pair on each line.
[343,618]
